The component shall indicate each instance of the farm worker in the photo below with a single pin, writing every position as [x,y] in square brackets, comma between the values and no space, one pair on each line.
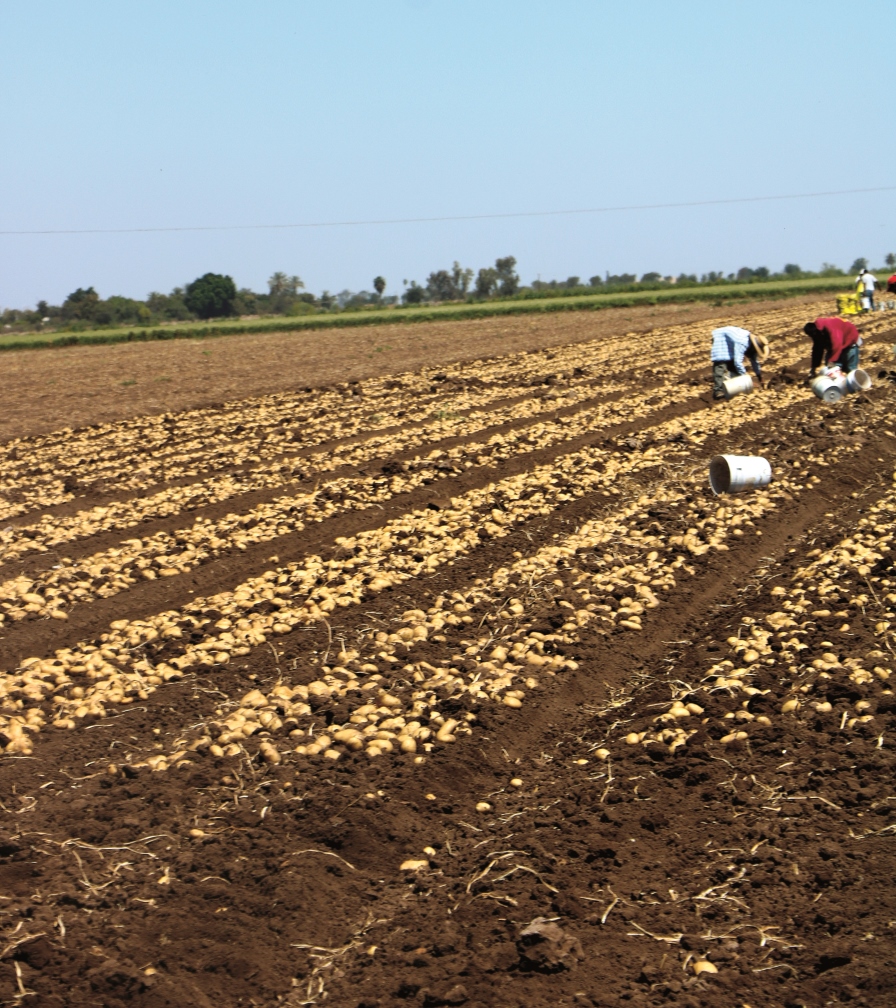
[891,284]
[836,341]
[866,282]
[730,345]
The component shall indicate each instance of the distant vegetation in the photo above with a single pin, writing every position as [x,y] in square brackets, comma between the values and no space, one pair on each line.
[215,296]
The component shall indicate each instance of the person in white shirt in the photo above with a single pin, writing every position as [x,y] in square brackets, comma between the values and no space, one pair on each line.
[866,282]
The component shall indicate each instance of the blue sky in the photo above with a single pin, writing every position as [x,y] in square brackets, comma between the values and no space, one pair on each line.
[216,112]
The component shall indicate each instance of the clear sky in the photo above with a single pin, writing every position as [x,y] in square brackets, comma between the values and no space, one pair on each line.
[179,113]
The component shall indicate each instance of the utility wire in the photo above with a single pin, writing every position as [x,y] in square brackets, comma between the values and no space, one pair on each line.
[463,217]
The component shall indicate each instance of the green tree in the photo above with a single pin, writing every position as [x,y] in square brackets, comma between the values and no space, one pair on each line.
[303,305]
[415,294]
[379,285]
[248,302]
[441,286]
[651,277]
[890,260]
[282,291]
[792,270]
[279,284]
[508,281]
[118,310]
[81,305]
[170,307]
[859,265]
[453,286]
[486,282]
[211,296]
[462,279]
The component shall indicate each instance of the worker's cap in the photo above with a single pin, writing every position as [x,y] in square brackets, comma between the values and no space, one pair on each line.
[760,345]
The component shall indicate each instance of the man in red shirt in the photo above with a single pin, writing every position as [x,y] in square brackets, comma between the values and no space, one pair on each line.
[891,284]
[836,341]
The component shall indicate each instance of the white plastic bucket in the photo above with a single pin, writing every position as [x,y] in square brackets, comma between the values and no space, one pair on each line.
[858,381]
[828,388]
[737,473]
[734,386]
[866,303]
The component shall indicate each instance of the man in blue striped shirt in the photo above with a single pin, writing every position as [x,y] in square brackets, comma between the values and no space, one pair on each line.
[730,345]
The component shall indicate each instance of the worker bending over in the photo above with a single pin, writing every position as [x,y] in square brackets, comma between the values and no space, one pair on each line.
[730,345]
[834,341]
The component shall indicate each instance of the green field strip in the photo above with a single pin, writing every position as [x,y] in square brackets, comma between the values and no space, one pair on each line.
[445,313]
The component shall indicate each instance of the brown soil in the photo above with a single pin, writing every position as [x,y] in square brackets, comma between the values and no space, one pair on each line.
[44,390]
[773,860]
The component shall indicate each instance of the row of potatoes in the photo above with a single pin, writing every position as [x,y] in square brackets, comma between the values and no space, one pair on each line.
[52,531]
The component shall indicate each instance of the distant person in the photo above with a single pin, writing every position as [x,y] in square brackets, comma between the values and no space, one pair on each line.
[834,341]
[730,345]
[865,283]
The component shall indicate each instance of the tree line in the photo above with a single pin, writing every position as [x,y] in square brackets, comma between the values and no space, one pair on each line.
[215,295]
[212,295]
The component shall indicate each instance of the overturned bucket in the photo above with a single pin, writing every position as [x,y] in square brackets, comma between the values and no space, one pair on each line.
[830,387]
[737,473]
[858,381]
[734,386]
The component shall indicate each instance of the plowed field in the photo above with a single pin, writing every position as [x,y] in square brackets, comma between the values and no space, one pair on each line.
[457,687]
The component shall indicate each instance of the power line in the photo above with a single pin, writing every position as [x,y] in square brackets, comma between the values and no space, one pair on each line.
[462,217]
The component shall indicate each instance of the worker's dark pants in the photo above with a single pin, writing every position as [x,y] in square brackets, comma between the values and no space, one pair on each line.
[722,370]
[849,359]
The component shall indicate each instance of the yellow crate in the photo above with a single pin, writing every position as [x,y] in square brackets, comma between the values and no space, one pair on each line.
[848,304]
